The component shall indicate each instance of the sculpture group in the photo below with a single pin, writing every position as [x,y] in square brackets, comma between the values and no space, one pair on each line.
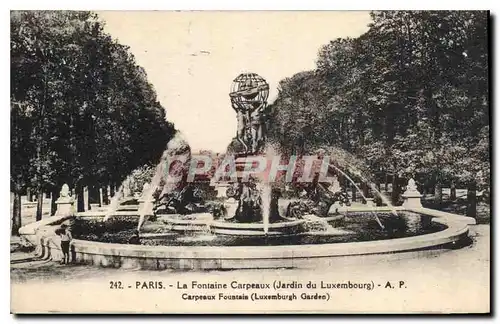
[249,95]
[254,196]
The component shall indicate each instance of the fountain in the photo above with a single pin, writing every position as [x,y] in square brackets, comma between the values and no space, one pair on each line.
[260,222]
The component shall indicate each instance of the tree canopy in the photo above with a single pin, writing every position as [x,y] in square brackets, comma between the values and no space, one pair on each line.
[408,97]
[82,110]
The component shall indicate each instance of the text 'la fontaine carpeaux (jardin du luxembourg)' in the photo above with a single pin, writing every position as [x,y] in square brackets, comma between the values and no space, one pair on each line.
[260,291]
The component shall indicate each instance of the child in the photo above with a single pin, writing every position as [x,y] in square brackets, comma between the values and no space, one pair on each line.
[66,238]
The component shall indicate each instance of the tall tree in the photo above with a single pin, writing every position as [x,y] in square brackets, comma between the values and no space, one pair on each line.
[84,112]
[409,97]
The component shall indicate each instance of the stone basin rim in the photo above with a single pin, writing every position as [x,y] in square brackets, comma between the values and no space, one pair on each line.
[457,227]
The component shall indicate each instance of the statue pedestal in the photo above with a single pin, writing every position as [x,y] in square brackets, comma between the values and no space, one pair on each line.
[412,199]
[64,206]
[65,202]
[221,191]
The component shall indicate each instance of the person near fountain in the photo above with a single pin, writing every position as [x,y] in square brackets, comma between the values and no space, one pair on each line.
[66,238]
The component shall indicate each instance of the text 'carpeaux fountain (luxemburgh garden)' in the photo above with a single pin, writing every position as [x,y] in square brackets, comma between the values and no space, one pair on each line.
[255,206]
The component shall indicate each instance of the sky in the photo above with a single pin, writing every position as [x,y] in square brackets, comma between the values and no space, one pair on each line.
[191,58]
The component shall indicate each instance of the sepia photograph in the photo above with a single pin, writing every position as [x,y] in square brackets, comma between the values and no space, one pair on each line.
[236,162]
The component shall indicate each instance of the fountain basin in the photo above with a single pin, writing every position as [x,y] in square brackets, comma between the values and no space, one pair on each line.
[256,229]
[179,223]
[116,255]
[204,223]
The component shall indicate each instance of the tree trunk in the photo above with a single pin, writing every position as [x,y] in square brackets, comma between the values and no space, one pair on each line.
[365,191]
[88,195]
[395,189]
[353,189]
[93,195]
[112,190]
[105,197]
[386,182]
[438,193]
[453,191]
[39,205]
[86,198]
[80,203]
[53,205]
[101,196]
[16,213]
[471,199]
[29,195]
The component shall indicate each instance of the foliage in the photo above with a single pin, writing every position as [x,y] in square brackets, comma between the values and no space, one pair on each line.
[82,110]
[409,97]
[139,177]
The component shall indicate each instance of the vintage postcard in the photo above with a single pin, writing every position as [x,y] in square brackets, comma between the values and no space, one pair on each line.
[188,162]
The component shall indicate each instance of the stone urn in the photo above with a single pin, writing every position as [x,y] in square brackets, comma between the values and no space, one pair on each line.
[65,202]
[412,197]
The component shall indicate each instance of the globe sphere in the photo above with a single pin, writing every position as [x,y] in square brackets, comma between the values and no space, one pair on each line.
[249,90]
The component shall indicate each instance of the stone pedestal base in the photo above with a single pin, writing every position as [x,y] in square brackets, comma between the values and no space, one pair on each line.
[412,200]
[221,191]
[64,206]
